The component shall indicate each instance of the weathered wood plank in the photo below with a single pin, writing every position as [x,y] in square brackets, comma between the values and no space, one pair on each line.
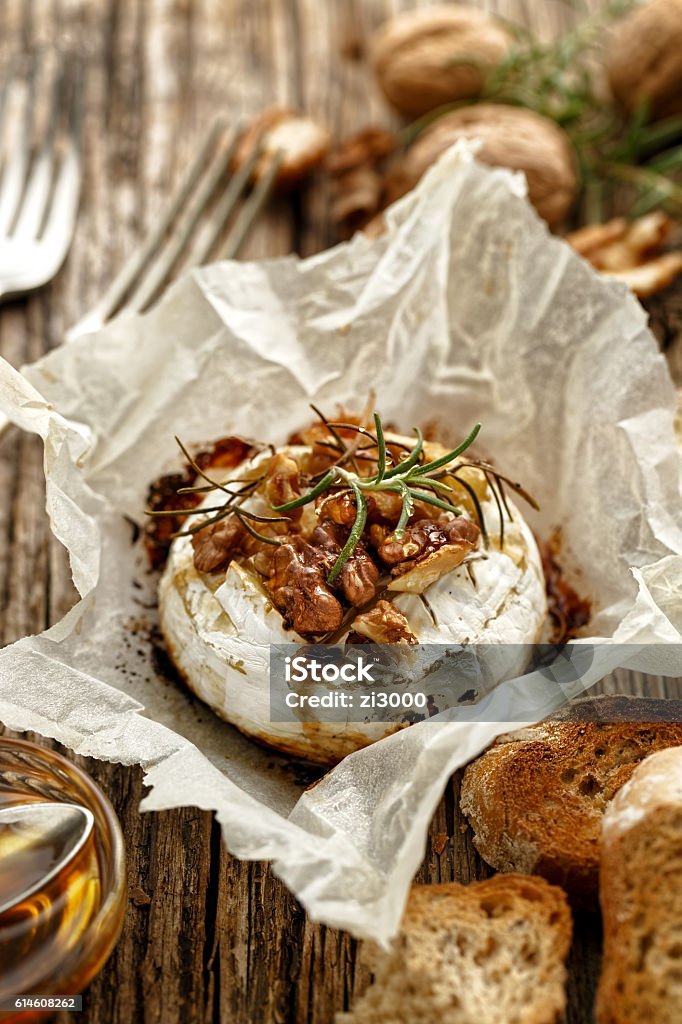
[206,938]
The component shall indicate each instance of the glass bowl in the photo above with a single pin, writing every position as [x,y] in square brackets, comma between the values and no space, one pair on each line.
[55,941]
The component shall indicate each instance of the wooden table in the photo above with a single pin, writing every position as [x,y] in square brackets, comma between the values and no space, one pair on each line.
[206,938]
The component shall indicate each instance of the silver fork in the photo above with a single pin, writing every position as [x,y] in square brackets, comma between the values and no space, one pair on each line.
[39,187]
[140,281]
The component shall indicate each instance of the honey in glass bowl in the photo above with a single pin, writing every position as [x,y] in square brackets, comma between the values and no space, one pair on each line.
[55,938]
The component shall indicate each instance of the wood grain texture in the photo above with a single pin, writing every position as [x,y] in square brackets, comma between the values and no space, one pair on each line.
[207,938]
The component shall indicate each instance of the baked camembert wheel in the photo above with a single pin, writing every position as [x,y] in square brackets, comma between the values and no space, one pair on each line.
[346,533]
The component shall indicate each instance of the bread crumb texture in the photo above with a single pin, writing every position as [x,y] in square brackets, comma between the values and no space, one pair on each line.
[488,953]
[535,799]
[641,897]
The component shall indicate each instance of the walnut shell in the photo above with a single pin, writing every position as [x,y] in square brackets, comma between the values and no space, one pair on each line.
[437,55]
[511,137]
[644,58]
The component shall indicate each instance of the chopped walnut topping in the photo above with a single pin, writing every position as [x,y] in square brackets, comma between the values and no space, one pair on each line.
[417,574]
[359,578]
[282,480]
[263,560]
[459,530]
[319,460]
[359,575]
[384,507]
[424,536]
[416,577]
[339,508]
[442,545]
[295,554]
[226,453]
[384,624]
[216,545]
[419,538]
[299,591]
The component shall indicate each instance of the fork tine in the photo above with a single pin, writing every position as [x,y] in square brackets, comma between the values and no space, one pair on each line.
[37,194]
[4,93]
[202,197]
[14,175]
[132,268]
[251,208]
[226,205]
[60,218]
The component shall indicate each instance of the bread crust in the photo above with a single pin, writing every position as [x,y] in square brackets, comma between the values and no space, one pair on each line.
[641,896]
[536,797]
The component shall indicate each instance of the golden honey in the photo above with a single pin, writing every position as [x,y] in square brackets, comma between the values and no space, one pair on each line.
[56,938]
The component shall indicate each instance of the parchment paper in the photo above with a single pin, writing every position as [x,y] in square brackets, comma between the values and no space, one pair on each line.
[466,310]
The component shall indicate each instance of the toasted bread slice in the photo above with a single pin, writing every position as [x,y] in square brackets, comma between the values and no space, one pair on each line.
[641,896]
[535,799]
[488,953]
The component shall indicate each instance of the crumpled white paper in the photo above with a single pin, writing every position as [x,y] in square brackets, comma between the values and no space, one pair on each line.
[466,310]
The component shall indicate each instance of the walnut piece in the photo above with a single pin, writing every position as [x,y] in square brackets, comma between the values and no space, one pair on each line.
[384,624]
[282,480]
[443,550]
[355,168]
[216,545]
[630,251]
[225,453]
[301,142]
[359,578]
[653,276]
[419,538]
[425,536]
[339,508]
[299,591]
[359,575]
[384,507]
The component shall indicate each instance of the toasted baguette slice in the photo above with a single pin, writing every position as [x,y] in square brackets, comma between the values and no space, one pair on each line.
[488,953]
[536,797]
[641,897]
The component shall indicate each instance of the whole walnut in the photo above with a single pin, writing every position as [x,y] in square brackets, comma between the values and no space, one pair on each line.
[644,58]
[436,55]
[510,137]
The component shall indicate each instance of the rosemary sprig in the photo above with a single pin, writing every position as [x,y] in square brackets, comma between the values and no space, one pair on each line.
[233,505]
[406,473]
[409,477]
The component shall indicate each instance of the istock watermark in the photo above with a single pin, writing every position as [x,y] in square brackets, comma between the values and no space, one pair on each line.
[469,682]
[302,669]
